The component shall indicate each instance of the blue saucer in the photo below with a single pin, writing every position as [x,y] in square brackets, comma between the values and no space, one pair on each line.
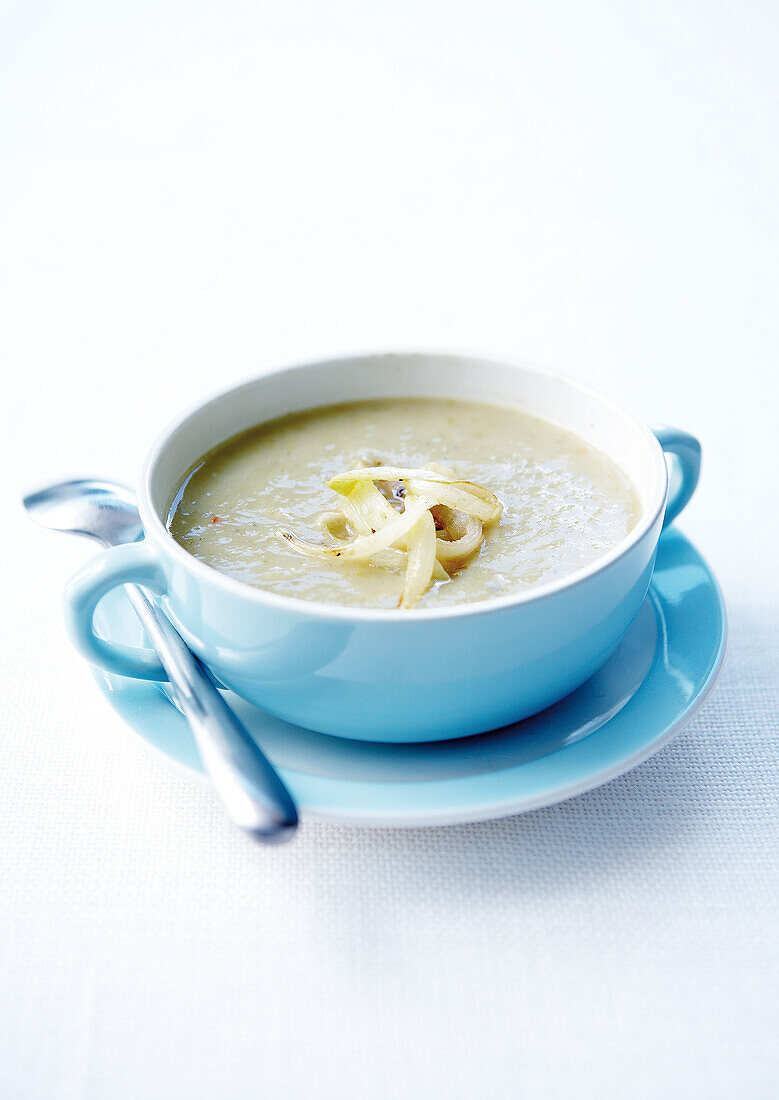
[665,666]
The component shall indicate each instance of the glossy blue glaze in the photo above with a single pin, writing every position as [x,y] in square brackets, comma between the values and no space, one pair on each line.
[385,675]
[685,453]
[660,672]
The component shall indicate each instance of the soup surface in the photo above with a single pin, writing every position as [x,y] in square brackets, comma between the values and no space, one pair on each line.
[564,503]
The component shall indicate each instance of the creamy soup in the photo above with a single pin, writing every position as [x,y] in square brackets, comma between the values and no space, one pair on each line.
[564,504]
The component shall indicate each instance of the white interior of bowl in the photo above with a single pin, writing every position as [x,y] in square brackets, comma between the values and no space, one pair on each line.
[595,419]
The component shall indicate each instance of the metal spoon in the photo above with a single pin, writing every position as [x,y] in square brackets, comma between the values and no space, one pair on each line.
[251,789]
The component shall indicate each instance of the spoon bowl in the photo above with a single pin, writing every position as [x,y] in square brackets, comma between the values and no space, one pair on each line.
[100,510]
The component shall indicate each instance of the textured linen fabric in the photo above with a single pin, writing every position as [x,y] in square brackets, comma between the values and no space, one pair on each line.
[193,193]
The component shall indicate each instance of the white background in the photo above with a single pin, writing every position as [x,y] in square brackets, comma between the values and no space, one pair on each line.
[193,192]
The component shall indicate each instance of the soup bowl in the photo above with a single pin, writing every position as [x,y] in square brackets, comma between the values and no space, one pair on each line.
[393,675]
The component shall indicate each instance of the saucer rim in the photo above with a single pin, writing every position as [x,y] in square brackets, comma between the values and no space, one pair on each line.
[321,798]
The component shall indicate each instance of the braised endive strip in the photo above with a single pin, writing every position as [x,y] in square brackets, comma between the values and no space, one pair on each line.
[464,496]
[459,496]
[366,509]
[336,524]
[439,528]
[421,559]
[343,483]
[363,547]
[465,538]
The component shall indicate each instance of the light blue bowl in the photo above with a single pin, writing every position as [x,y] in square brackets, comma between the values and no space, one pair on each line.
[392,675]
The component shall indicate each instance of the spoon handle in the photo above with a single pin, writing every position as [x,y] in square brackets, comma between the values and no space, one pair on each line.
[251,789]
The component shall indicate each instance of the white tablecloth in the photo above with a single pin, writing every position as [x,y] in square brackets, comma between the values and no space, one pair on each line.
[195,192]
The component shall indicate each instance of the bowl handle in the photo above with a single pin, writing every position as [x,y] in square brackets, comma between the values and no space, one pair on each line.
[133,563]
[684,450]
